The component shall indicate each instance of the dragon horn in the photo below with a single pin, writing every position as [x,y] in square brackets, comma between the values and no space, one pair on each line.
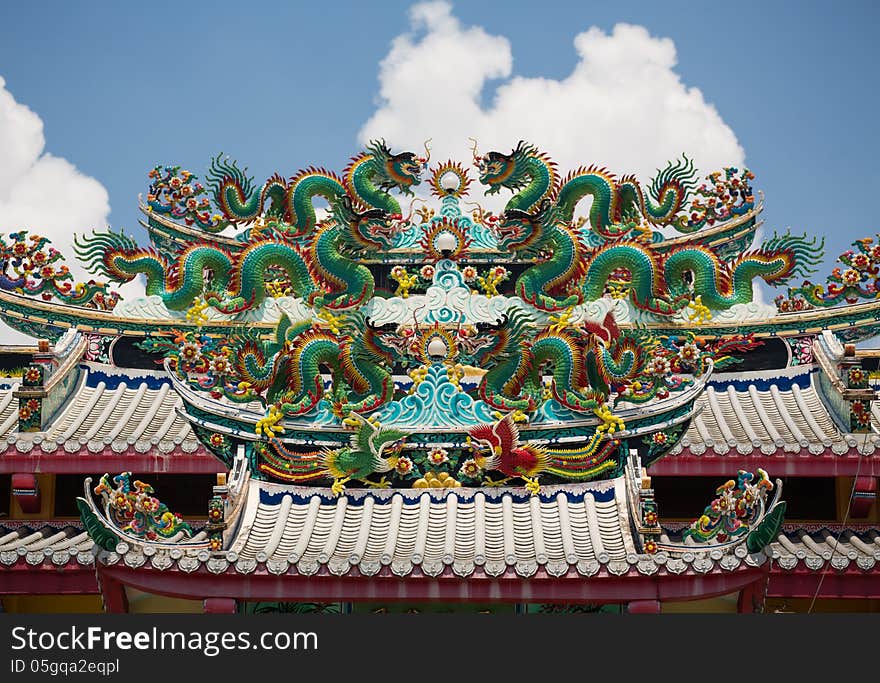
[481,215]
[477,157]
[415,319]
[408,217]
[427,158]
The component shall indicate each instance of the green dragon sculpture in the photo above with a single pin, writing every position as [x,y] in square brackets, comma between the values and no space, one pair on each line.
[616,204]
[367,180]
[663,282]
[229,282]
[537,222]
[320,268]
[586,363]
[285,372]
[554,282]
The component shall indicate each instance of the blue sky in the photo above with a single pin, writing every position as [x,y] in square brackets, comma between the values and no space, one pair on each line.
[121,87]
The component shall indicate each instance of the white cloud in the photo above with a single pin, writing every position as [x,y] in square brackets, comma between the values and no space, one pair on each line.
[43,193]
[622,106]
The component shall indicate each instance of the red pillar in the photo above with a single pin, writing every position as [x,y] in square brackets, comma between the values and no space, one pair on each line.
[219,606]
[863,497]
[751,598]
[643,607]
[26,490]
[113,595]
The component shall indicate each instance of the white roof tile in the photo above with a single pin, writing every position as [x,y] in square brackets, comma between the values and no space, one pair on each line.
[413,528]
[140,411]
[761,416]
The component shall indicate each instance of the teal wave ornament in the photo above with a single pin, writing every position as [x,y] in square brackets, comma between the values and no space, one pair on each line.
[447,278]
[479,235]
[552,410]
[435,402]
[321,415]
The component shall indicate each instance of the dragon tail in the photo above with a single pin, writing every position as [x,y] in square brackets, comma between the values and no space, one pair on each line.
[232,190]
[678,173]
[802,255]
[95,250]
[670,188]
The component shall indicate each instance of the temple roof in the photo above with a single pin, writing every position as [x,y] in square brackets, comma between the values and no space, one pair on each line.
[131,411]
[465,530]
[766,413]
[121,412]
[40,542]
[810,548]
[769,412]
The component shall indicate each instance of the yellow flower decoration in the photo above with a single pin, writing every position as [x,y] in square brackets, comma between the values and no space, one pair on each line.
[418,376]
[405,281]
[455,373]
[196,312]
[334,322]
[277,289]
[432,480]
[618,289]
[489,283]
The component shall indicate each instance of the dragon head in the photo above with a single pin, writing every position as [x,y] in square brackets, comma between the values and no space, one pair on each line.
[401,171]
[477,342]
[489,341]
[390,442]
[519,230]
[383,340]
[370,229]
[499,170]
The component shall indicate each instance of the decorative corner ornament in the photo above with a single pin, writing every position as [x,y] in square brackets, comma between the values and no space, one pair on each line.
[132,508]
[739,505]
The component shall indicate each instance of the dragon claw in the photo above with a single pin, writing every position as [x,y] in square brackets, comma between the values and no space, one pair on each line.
[383,483]
[519,416]
[562,320]
[532,485]
[268,425]
[351,420]
[339,486]
[700,313]
[610,423]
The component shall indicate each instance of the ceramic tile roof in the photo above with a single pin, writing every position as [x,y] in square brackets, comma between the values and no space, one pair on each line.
[759,415]
[573,529]
[566,530]
[116,412]
[466,530]
[41,542]
[807,548]
[817,548]
[133,413]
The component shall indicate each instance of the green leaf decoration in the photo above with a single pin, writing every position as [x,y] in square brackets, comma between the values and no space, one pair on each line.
[767,530]
[97,530]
